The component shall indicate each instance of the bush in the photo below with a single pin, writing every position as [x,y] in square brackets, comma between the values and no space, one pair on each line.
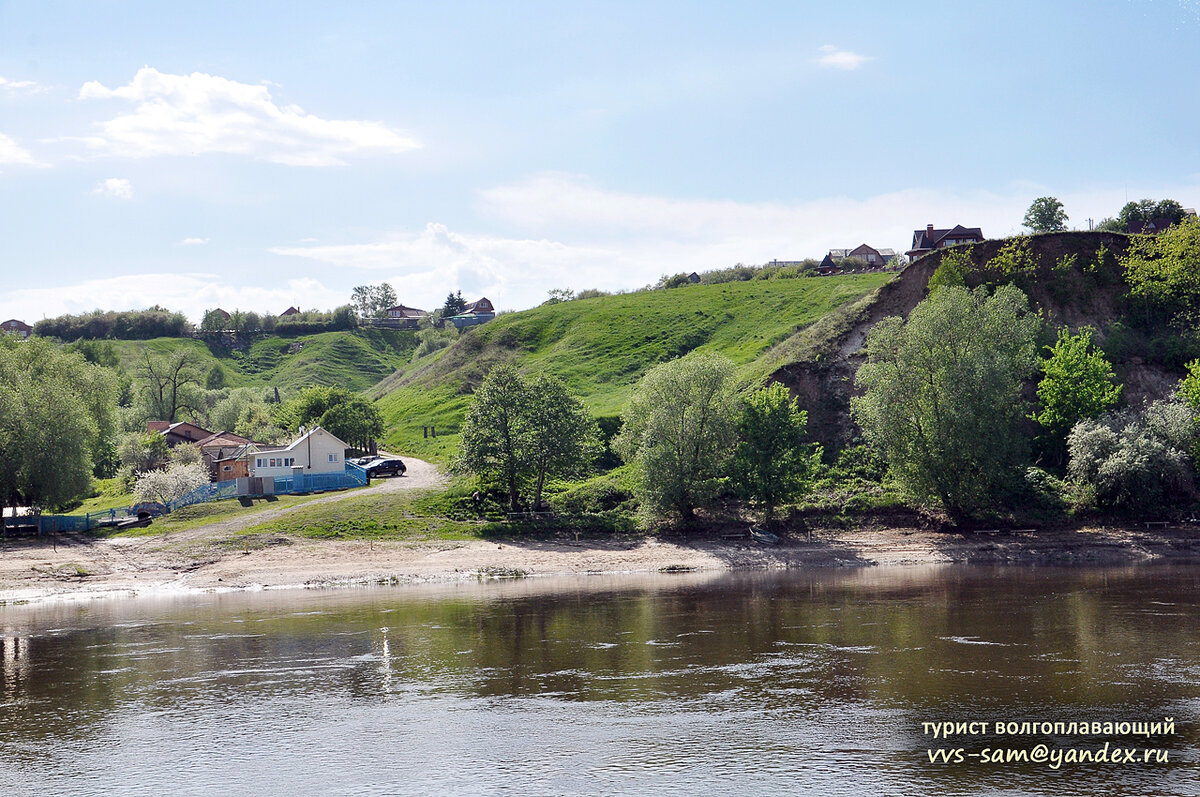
[1136,461]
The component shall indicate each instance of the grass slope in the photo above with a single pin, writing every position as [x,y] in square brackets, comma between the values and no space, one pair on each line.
[356,360]
[600,347]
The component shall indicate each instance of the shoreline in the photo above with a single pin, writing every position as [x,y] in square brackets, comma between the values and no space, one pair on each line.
[31,570]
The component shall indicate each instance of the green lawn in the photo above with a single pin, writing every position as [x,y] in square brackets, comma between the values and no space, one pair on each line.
[190,517]
[408,515]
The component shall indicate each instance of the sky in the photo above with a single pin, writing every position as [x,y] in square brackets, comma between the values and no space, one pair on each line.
[259,155]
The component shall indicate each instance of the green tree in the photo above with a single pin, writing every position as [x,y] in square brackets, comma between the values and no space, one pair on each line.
[1163,270]
[1077,383]
[679,431]
[214,322]
[454,305]
[773,463]
[1189,386]
[373,301]
[56,418]
[355,420]
[563,438]
[1046,214]
[519,431]
[951,271]
[942,399]
[342,413]
[491,440]
[1145,210]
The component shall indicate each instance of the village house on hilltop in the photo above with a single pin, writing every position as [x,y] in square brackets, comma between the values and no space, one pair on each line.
[874,258]
[929,239]
[14,327]
[477,312]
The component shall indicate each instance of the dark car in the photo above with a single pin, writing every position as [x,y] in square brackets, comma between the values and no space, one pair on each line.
[364,461]
[385,467]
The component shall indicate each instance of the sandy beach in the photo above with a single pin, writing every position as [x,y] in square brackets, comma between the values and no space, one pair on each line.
[210,557]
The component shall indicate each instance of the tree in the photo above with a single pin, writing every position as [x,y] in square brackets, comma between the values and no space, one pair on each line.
[1145,210]
[56,418]
[492,446]
[678,431]
[951,271]
[340,412]
[1189,386]
[214,322]
[171,483]
[1163,270]
[355,420]
[373,301]
[1046,214]
[942,399]
[454,305]
[1077,383]
[772,461]
[518,432]
[170,384]
[563,438]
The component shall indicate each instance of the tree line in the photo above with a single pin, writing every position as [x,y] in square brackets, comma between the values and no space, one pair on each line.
[965,411]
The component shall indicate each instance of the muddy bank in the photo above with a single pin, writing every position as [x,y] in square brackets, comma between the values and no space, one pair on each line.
[79,567]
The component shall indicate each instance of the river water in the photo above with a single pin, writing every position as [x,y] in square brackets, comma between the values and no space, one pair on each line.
[804,682]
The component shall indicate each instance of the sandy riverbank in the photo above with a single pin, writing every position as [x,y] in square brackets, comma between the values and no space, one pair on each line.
[35,570]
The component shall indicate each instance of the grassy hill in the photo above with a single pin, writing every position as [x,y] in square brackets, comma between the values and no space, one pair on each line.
[601,346]
[356,360]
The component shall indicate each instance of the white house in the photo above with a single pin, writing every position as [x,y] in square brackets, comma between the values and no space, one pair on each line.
[316,451]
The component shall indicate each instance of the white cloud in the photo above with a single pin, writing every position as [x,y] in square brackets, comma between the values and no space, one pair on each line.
[115,187]
[19,85]
[199,113]
[567,232]
[12,153]
[840,59]
[193,242]
[189,293]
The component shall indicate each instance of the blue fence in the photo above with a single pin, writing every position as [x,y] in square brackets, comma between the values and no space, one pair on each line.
[321,482]
[208,492]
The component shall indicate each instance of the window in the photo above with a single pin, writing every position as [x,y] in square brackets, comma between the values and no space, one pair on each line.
[258,462]
[273,462]
[226,468]
[333,457]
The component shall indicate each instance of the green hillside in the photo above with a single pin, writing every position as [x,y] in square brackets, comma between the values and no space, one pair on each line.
[601,346]
[356,360]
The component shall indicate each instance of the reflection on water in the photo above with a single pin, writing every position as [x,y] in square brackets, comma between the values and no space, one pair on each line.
[745,683]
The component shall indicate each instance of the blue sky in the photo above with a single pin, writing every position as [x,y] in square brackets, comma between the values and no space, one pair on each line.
[282,153]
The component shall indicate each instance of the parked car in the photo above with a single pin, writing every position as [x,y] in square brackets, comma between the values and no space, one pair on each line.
[386,467]
[364,461]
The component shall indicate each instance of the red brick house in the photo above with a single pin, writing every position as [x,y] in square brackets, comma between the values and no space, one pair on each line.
[290,311]
[14,327]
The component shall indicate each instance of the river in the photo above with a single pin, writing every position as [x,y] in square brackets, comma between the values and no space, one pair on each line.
[798,682]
